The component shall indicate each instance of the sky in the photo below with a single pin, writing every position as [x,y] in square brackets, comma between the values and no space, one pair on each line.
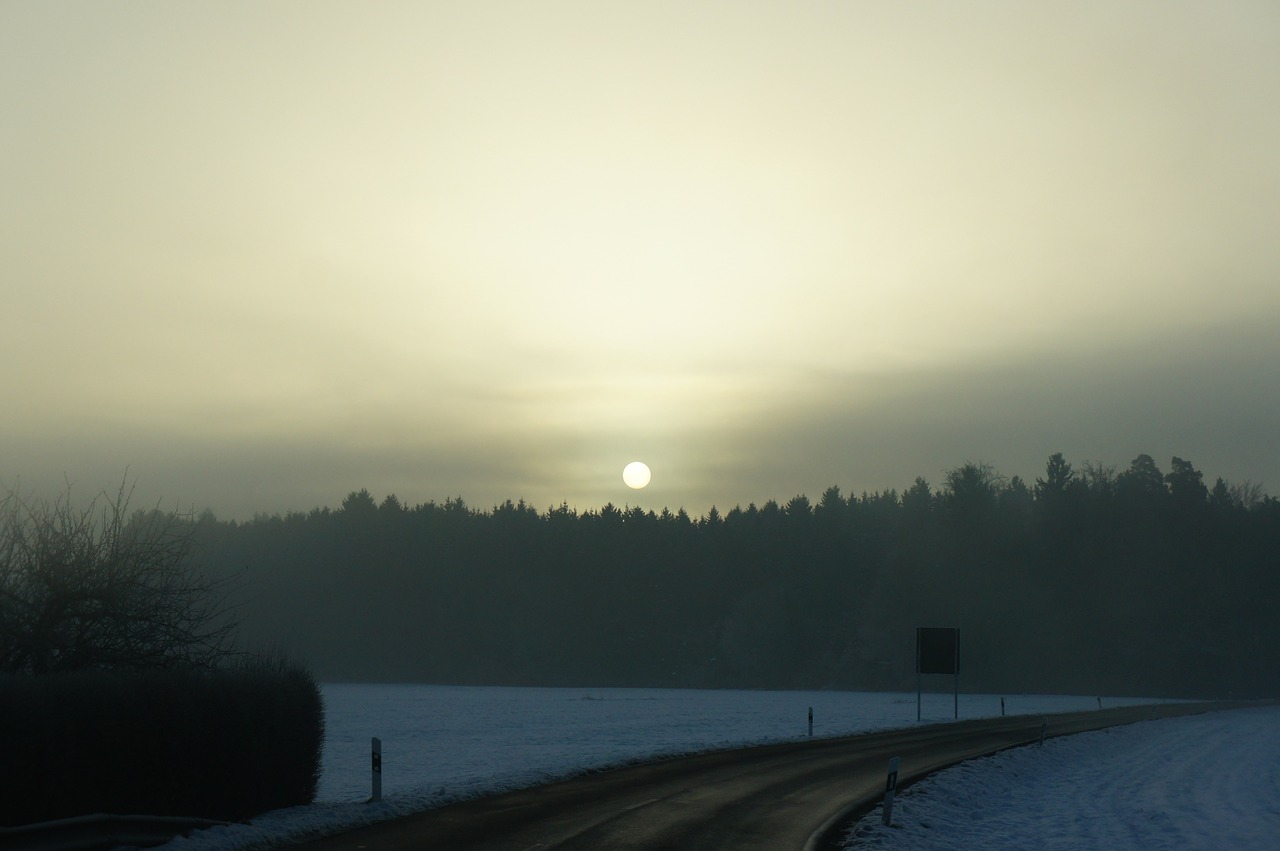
[258,255]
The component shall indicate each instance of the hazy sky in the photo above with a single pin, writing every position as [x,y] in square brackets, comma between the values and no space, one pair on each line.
[262,254]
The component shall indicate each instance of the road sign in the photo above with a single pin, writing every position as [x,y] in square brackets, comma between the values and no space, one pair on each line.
[938,652]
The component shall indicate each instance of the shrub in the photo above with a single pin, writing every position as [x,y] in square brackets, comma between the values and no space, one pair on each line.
[225,744]
[97,589]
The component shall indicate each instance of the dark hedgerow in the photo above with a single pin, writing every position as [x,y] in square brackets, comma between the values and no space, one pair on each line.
[225,744]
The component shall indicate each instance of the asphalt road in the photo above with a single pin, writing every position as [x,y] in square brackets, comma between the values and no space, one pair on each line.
[778,797]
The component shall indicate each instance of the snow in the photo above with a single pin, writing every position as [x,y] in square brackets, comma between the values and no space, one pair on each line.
[442,744]
[1206,781]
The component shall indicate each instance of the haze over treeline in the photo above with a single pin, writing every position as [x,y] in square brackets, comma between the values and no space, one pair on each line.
[1087,580]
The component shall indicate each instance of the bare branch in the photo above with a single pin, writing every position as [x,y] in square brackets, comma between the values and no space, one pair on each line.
[97,588]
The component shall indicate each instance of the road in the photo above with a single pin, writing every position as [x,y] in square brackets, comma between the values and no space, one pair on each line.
[776,797]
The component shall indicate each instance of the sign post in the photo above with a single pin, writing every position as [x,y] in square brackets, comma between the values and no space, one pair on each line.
[938,652]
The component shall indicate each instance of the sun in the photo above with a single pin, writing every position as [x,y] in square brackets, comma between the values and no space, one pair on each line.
[636,474]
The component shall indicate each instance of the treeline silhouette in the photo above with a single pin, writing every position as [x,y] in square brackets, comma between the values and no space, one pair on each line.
[1085,581]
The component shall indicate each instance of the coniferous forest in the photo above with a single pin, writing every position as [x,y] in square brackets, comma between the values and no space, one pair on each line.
[1086,581]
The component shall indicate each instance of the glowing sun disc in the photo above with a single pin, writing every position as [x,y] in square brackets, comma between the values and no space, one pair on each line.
[636,474]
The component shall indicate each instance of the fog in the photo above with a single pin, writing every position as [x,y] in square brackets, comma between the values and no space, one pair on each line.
[1088,580]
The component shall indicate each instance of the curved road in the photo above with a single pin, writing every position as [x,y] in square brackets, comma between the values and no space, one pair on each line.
[776,797]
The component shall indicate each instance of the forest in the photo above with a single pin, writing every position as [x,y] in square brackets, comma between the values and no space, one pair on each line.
[1085,581]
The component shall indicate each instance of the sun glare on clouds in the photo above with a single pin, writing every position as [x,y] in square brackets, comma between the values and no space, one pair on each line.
[519,231]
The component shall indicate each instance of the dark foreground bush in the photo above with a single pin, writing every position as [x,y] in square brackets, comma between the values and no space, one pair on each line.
[223,745]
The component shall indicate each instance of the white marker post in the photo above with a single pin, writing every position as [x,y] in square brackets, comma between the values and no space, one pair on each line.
[377,770]
[890,788]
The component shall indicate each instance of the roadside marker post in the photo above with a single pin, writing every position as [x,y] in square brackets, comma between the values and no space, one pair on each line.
[890,789]
[377,770]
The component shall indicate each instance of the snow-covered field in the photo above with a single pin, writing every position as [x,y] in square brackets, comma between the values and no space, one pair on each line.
[442,744]
[1200,782]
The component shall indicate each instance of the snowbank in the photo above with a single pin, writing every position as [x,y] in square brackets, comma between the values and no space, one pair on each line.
[1200,782]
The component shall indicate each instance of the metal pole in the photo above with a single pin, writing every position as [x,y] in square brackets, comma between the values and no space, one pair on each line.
[917,693]
[955,668]
[919,633]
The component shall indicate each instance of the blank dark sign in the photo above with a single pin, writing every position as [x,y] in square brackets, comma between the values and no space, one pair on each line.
[937,650]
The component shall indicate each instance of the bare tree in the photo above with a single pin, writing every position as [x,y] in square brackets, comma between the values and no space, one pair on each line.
[1247,494]
[92,588]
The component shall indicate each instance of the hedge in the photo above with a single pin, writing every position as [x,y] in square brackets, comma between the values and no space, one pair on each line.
[224,745]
